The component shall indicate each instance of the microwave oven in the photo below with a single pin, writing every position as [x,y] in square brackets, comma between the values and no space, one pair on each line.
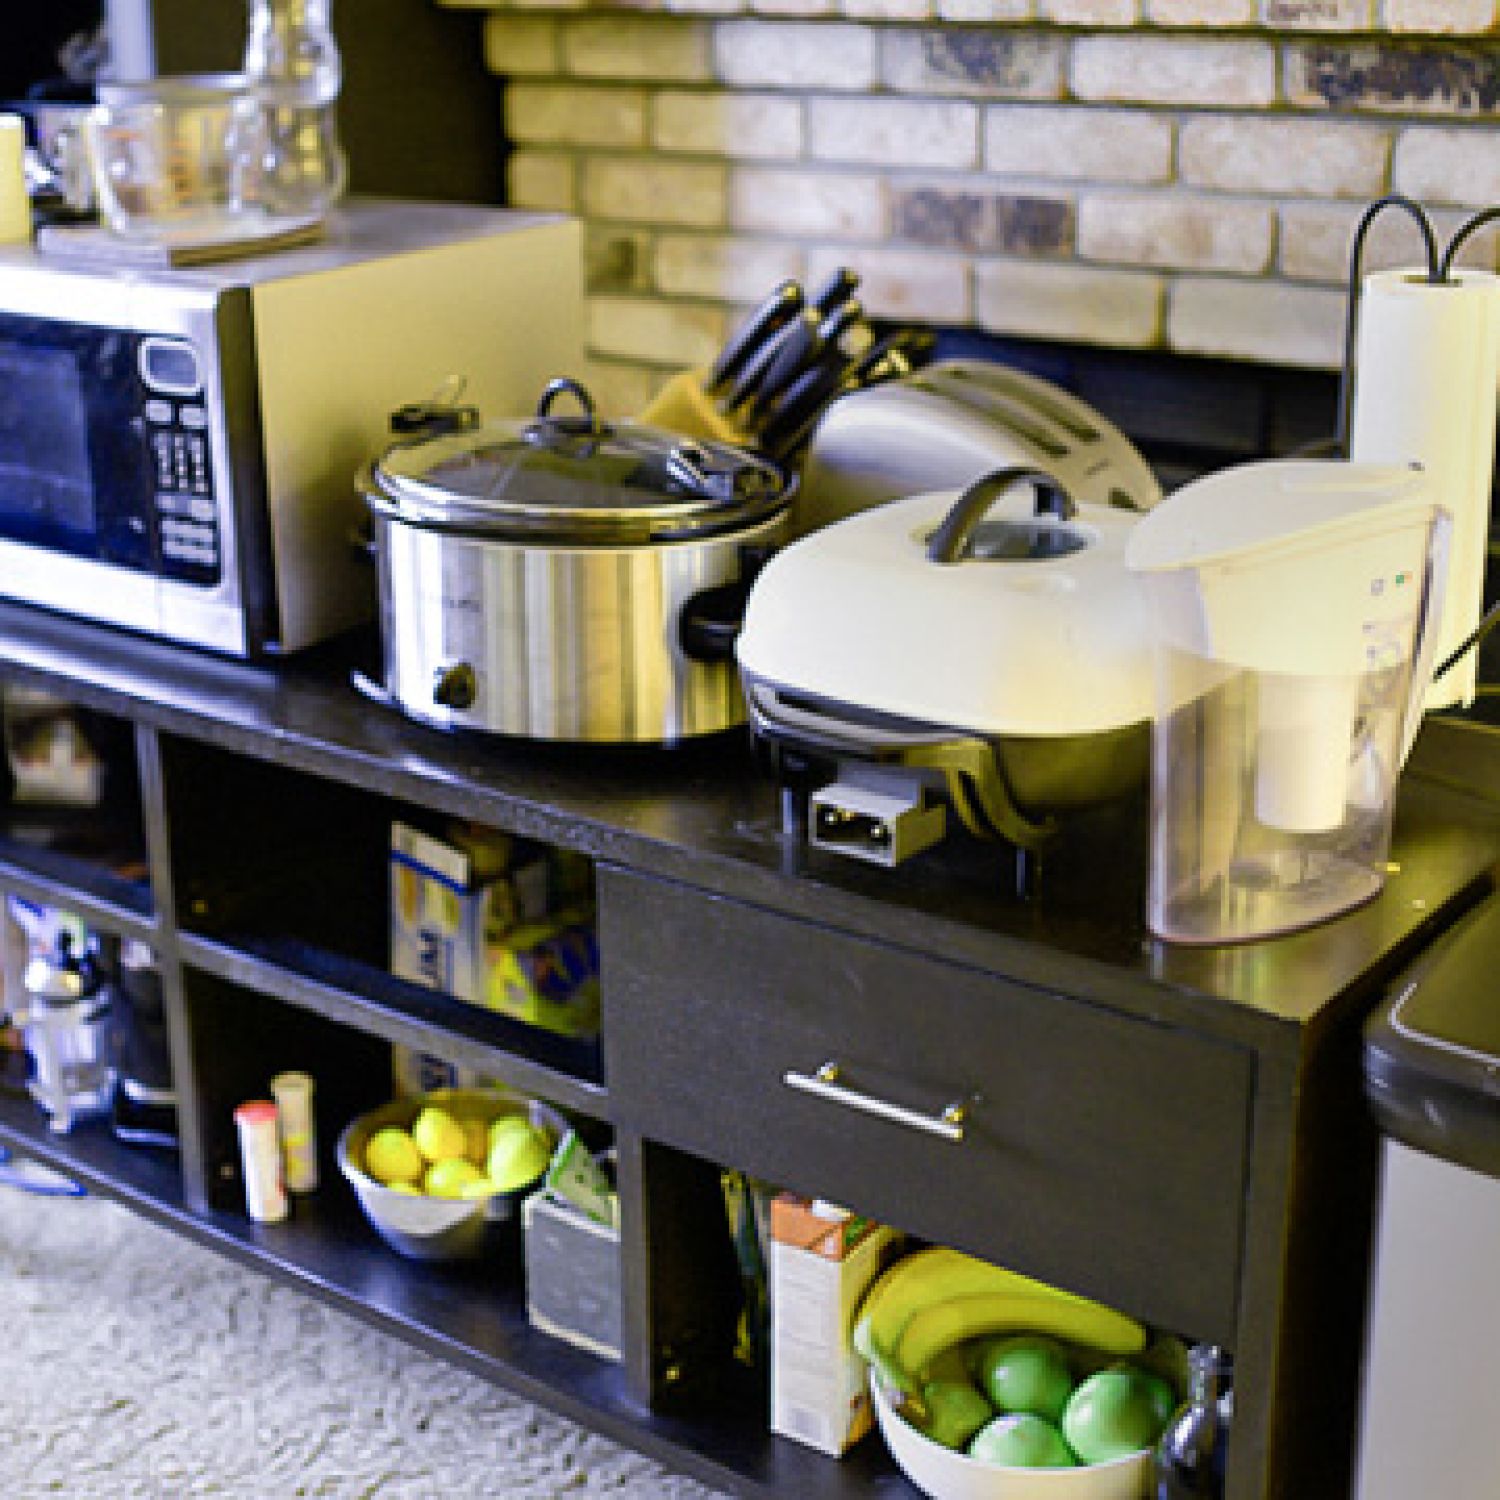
[179,447]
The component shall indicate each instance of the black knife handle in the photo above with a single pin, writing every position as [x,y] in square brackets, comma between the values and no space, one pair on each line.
[835,288]
[777,310]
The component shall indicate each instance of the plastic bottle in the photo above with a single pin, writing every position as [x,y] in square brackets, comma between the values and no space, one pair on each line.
[1191,1454]
[292,65]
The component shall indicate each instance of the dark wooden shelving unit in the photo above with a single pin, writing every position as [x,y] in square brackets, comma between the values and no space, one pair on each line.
[1218,1088]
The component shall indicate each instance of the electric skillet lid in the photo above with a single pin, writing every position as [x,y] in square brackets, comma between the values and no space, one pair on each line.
[575,480]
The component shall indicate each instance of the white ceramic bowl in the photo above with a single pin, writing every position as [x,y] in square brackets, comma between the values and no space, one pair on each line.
[440,1228]
[946,1474]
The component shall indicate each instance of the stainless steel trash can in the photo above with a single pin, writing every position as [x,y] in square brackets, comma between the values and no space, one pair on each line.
[1430,1404]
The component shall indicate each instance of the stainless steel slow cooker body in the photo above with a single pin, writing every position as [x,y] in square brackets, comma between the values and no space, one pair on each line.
[542,580]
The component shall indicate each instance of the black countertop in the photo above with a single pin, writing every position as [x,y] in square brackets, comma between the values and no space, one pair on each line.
[704,815]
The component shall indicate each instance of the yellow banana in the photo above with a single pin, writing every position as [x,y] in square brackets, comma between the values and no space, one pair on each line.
[927,1276]
[940,1325]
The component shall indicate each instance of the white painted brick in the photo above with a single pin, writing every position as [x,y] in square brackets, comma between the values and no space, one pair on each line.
[894,132]
[756,126]
[1257,320]
[728,270]
[1316,157]
[519,46]
[1175,70]
[1449,165]
[829,205]
[1145,229]
[1201,12]
[1443,17]
[655,332]
[621,391]
[651,190]
[563,115]
[785,55]
[1090,12]
[1117,145]
[910,286]
[984,10]
[992,62]
[1319,15]
[1078,303]
[636,47]
[1316,241]
[541,180]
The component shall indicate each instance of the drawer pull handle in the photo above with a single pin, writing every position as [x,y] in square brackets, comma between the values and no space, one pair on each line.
[827,1083]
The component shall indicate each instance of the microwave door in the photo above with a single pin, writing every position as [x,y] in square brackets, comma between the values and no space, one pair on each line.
[109,488]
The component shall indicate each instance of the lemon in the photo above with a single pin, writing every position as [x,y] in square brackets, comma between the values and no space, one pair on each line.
[476,1140]
[518,1157]
[437,1134]
[504,1124]
[481,1187]
[391,1157]
[450,1177]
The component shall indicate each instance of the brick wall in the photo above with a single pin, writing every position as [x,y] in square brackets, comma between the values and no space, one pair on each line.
[1174,174]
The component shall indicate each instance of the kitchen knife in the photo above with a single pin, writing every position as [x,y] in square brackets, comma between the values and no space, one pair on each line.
[835,289]
[796,349]
[793,417]
[774,313]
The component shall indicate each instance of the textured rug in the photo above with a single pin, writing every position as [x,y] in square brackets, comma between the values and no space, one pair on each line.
[134,1363]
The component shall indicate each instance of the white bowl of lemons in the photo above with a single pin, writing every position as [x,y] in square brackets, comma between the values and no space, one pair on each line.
[440,1175]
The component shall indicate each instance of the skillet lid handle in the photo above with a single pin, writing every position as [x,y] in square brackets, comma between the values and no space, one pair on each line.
[951,539]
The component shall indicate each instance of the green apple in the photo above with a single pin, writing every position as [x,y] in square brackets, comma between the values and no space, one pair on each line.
[1112,1413]
[1026,1373]
[1019,1440]
[1163,1400]
[956,1410]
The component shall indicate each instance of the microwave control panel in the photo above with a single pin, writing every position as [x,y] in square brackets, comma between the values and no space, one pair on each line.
[187,513]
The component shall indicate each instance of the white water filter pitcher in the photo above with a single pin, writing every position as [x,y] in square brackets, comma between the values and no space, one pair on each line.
[1294,607]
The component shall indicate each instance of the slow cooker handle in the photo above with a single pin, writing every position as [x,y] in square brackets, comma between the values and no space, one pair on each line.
[951,540]
[712,619]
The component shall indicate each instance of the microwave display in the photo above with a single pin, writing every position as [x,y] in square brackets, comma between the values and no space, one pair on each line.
[104,449]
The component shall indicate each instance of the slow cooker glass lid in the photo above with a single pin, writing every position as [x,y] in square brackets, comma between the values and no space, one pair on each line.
[577,478]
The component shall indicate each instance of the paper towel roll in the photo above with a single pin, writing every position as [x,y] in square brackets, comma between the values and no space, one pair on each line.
[15,203]
[1426,376]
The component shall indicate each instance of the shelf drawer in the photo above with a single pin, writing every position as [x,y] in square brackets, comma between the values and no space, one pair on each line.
[1100,1151]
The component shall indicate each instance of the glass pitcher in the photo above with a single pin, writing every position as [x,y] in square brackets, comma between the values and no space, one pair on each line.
[293,67]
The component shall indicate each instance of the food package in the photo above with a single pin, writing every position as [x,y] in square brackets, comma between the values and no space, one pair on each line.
[822,1260]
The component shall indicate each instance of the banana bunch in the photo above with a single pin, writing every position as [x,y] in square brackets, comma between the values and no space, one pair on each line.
[935,1299]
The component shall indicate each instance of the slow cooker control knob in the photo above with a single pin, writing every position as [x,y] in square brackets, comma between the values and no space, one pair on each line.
[455,686]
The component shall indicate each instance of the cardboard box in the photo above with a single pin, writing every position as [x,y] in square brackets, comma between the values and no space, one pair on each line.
[446,894]
[822,1260]
[451,897]
[572,1275]
[499,922]
[546,974]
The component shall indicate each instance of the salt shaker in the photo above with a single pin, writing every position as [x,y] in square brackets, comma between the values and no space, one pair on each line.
[293,1092]
[260,1161]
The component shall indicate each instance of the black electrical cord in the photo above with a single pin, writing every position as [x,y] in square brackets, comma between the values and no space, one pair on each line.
[1351,304]
[1486,624]
[1464,232]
